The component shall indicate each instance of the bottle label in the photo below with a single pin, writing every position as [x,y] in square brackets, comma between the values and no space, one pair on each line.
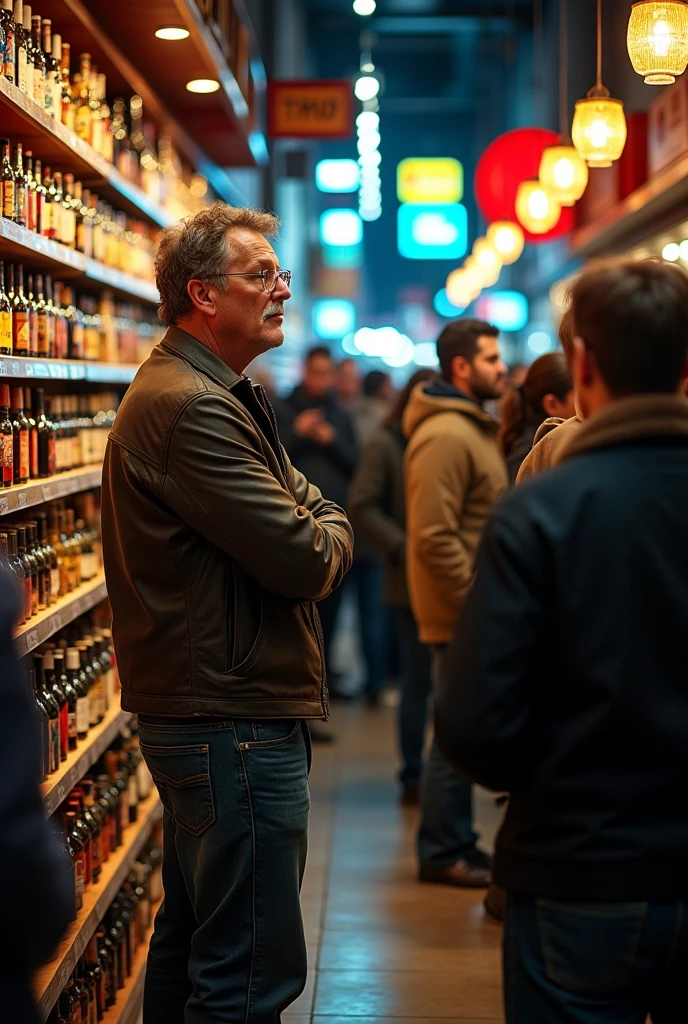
[20,200]
[22,333]
[6,332]
[24,465]
[43,335]
[33,333]
[7,460]
[79,879]
[9,66]
[33,453]
[54,583]
[8,200]
[47,219]
[22,69]
[39,86]
[78,341]
[82,714]
[54,744]
[71,724]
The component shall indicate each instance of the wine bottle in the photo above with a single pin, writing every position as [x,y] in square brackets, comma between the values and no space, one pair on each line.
[21,192]
[7,182]
[39,66]
[29,51]
[52,46]
[33,317]
[78,681]
[53,710]
[5,317]
[82,117]
[20,314]
[43,314]
[7,16]
[20,428]
[6,439]
[68,106]
[20,42]
[52,666]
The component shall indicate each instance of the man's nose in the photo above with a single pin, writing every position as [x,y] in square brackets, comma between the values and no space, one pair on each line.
[282,291]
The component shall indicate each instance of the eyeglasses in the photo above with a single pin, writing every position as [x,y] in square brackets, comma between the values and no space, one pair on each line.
[268,277]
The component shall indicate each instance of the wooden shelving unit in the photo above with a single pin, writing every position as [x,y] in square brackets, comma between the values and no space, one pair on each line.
[47,623]
[128,1006]
[51,979]
[13,499]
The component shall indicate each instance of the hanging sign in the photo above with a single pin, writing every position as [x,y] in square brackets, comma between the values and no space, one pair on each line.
[310,110]
[429,180]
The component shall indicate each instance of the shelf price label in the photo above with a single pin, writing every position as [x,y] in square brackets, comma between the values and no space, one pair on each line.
[32,640]
[47,492]
[21,499]
[4,505]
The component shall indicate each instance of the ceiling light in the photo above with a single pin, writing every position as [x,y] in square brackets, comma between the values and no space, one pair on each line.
[671,252]
[536,210]
[657,40]
[172,33]
[564,173]
[366,87]
[364,7]
[203,85]
[599,124]
[508,239]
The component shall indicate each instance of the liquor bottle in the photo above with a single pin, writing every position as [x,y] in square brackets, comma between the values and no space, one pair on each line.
[76,845]
[97,667]
[32,218]
[68,105]
[7,16]
[43,434]
[50,557]
[20,42]
[18,569]
[108,964]
[68,213]
[85,793]
[57,208]
[70,695]
[6,439]
[53,712]
[82,118]
[20,314]
[20,428]
[96,128]
[73,803]
[29,51]
[62,587]
[7,182]
[72,551]
[32,562]
[87,669]
[43,559]
[94,968]
[81,992]
[39,64]
[79,725]
[44,721]
[48,219]
[107,139]
[68,1005]
[33,317]
[33,435]
[26,589]
[54,686]
[40,191]
[58,322]
[52,445]
[5,317]
[52,46]
[43,317]
[21,191]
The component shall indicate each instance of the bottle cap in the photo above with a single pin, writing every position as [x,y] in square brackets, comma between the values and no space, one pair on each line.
[73,661]
[48,659]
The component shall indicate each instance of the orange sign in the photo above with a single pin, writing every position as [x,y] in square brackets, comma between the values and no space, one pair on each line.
[310,110]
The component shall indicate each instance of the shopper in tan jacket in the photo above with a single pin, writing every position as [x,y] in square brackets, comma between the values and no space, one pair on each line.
[455,471]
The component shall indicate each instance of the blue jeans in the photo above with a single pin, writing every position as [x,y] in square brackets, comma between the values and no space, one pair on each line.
[592,963]
[446,828]
[416,687]
[228,943]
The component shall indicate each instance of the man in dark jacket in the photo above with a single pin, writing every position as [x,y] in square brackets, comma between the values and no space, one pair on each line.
[38,896]
[565,682]
[216,550]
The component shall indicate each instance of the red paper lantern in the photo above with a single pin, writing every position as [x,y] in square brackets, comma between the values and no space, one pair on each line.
[510,159]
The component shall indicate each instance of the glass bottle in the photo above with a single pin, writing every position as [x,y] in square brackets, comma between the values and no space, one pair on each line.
[68,105]
[40,191]
[53,712]
[28,42]
[5,317]
[48,219]
[75,841]
[95,971]
[49,555]
[20,43]
[6,439]
[20,314]
[18,570]
[68,213]
[32,221]
[33,317]
[43,317]
[93,820]
[7,182]
[53,89]
[8,67]
[24,540]
[82,118]
[39,64]
[74,804]
[44,721]
[53,684]
[57,208]
[77,685]
[58,324]
[20,428]
[21,193]
[43,561]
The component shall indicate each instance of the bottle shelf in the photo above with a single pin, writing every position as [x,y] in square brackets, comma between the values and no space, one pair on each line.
[13,499]
[67,369]
[19,245]
[59,148]
[129,999]
[58,786]
[51,979]
[45,624]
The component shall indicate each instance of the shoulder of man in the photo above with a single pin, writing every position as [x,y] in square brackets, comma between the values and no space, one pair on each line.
[549,447]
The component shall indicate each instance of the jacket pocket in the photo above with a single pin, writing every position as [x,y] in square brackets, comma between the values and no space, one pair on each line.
[590,949]
[182,775]
[245,621]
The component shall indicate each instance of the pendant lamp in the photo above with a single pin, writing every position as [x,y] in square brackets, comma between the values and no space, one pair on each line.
[460,290]
[599,124]
[508,239]
[563,171]
[657,40]
[536,210]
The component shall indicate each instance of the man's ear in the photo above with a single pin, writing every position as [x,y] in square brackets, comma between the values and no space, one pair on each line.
[584,365]
[460,367]
[200,293]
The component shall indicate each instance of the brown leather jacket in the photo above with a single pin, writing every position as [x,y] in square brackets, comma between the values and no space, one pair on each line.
[215,548]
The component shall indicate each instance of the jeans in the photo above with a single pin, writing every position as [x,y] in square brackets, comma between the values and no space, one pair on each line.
[592,963]
[416,687]
[228,944]
[368,578]
[446,828]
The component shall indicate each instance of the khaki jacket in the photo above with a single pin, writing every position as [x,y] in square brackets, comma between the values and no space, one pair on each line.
[454,471]
[551,441]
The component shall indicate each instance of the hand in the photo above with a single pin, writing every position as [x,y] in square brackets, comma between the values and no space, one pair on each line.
[324,433]
[307,421]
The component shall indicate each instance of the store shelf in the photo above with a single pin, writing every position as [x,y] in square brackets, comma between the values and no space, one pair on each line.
[51,979]
[47,623]
[67,369]
[19,245]
[56,788]
[26,495]
[63,150]
[127,1009]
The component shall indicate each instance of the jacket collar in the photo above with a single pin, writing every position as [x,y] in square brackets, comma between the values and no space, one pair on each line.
[199,355]
[639,418]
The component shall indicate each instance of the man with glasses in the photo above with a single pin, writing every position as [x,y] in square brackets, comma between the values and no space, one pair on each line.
[216,550]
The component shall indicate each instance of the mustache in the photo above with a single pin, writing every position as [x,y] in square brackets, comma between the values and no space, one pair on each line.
[274,309]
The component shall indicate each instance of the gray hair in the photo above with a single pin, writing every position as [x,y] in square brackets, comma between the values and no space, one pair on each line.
[198,247]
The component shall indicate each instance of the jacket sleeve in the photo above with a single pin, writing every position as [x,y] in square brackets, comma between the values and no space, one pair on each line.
[38,900]
[438,473]
[486,702]
[218,481]
[366,503]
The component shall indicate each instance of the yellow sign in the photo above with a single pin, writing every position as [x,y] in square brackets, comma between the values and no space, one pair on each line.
[430,180]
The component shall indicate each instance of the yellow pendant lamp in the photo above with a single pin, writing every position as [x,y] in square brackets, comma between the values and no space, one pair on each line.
[508,239]
[563,171]
[536,210]
[657,40]
[599,123]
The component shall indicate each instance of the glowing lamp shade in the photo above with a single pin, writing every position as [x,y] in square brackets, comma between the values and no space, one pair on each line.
[657,40]
[172,33]
[340,228]
[203,85]
[564,173]
[508,239]
[333,318]
[599,129]
[536,210]
[337,175]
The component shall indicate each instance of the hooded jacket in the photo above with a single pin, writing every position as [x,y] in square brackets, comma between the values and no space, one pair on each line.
[550,443]
[565,682]
[455,471]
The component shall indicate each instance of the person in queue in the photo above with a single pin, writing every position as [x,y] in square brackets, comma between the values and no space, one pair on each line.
[546,392]
[38,901]
[348,383]
[455,472]
[586,568]
[378,514]
[216,550]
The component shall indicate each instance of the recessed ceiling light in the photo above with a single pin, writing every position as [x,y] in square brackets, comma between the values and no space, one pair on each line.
[172,33]
[203,85]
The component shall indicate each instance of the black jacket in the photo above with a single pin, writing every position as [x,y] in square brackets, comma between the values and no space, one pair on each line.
[566,679]
[215,548]
[38,882]
[329,467]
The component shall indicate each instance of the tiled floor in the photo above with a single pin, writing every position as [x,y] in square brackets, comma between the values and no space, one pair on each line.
[383,947]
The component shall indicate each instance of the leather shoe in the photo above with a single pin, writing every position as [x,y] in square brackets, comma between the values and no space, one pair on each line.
[462,875]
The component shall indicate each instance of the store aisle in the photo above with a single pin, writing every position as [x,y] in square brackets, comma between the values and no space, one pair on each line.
[382,947]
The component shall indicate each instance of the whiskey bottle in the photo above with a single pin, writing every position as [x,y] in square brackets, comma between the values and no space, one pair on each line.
[33,317]
[20,428]
[21,191]
[6,439]
[29,50]
[7,19]
[39,66]
[5,317]
[68,105]
[7,182]
[82,117]
[52,46]
[20,41]
[20,314]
